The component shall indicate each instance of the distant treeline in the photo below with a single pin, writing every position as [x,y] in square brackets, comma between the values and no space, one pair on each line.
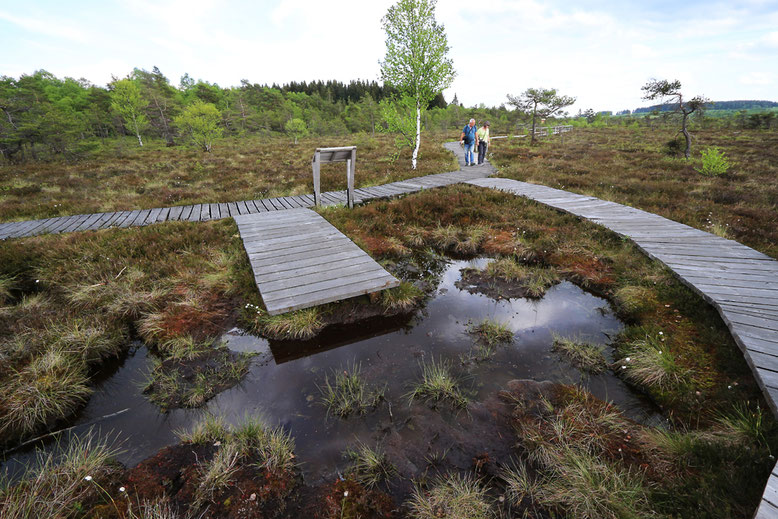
[713,105]
[42,115]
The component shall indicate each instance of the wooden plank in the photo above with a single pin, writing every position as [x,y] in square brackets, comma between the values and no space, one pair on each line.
[162,216]
[175,213]
[766,510]
[329,296]
[205,212]
[152,217]
[215,212]
[301,260]
[327,264]
[117,219]
[76,222]
[336,271]
[194,216]
[313,291]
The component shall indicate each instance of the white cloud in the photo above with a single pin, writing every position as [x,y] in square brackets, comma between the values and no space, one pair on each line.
[757,78]
[46,27]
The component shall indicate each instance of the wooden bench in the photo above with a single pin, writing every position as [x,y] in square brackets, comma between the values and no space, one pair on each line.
[347,154]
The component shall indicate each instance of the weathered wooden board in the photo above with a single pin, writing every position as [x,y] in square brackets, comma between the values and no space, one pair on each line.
[300,260]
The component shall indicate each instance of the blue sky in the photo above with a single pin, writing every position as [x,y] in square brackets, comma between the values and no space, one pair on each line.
[598,51]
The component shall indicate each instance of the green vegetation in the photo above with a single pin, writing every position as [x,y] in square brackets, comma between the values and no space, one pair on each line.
[76,299]
[68,481]
[269,448]
[490,332]
[349,393]
[438,385]
[200,123]
[369,466]
[628,165]
[403,297]
[714,162]
[453,496]
[300,324]
[416,61]
[586,356]
[587,460]
[649,363]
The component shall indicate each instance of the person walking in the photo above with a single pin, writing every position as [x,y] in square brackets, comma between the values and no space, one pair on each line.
[483,141]
[470,141]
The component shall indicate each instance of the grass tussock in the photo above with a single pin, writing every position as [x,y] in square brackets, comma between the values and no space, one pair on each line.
[369,465]
[58,486]
[438,385]
[51,387]
[452,496]
[403,297]
[268,448]
[300,324]
[634,300]
[77,298]
[649,363]
[535,280]
[348,393]
[490,332]
[585,356]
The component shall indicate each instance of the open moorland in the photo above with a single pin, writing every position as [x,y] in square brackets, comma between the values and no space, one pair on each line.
[634,166]
[529,365]
[122,176]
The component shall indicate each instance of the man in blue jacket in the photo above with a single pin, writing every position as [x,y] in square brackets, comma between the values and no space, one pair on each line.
[470,140]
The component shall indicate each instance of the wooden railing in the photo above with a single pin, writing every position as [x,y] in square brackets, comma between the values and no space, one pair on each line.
[540,131]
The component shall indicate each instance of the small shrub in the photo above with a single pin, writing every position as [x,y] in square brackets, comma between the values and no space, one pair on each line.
[453,497]
[674,147]
[583,355]
[714,162]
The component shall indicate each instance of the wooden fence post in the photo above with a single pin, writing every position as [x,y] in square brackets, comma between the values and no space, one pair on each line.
[316,178]
[351,166]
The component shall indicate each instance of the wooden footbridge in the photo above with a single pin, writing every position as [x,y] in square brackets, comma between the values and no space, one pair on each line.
[300,260]
[741,283]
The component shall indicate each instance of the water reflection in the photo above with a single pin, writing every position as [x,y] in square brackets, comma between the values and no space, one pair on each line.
[283,382]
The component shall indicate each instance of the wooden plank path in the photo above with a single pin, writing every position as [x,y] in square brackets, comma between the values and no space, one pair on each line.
[300,260]
[204,212]
[741,283]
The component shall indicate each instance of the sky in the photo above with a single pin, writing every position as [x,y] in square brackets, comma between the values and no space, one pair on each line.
[599,51]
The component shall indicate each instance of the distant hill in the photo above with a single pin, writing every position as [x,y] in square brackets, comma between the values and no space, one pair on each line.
[714,105]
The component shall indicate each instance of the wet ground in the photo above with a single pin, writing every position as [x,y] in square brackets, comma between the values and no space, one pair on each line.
[283,381]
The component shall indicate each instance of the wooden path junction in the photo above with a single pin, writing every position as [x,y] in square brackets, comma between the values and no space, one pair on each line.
[205,212]
[298,258]
[741,283]
[301,260]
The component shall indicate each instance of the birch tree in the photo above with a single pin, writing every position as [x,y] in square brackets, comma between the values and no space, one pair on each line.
[126,100]
[416,61]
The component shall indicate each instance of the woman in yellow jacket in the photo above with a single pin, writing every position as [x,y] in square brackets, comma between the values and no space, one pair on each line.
[483,141]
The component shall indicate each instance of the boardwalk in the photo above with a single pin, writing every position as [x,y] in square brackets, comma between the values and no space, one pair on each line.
[216,211]
[741,283]
[300,260]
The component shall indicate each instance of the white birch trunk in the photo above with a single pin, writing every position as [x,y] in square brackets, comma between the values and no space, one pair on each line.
[418,135]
